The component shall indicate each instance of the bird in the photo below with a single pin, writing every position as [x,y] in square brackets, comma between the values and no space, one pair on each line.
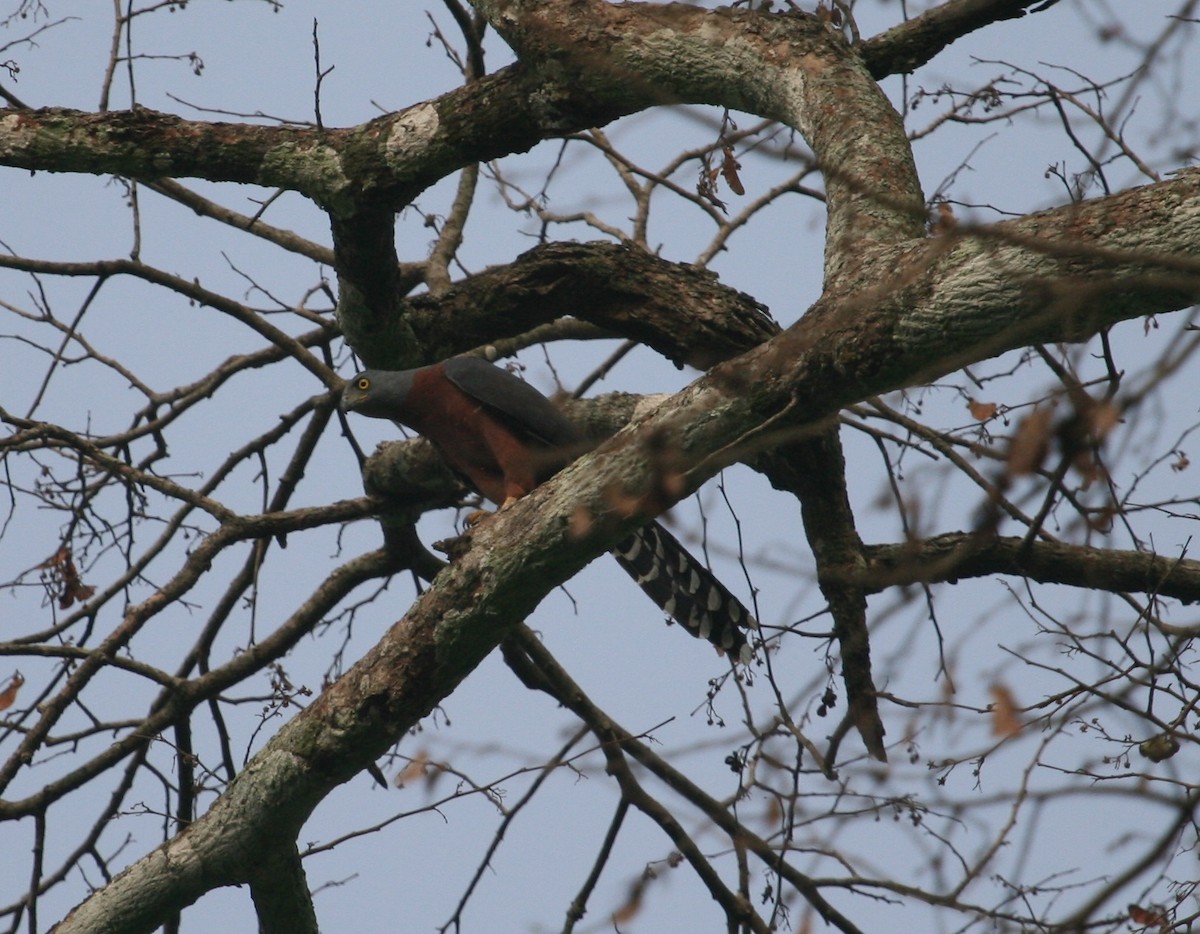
[503,438]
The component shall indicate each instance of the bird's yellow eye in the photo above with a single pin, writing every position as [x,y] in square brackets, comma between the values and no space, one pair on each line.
[363,384]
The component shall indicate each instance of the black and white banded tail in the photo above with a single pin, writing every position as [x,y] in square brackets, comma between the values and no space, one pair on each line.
[686,590]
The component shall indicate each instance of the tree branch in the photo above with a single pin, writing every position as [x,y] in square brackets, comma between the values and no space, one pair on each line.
[814,469]
[684,313]
[957,556]
[280,892]
[906,47]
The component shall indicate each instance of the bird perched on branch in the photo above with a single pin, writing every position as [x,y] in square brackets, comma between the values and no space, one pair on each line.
[503,438]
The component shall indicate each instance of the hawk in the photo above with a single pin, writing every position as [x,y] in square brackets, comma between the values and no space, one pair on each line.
[504,438]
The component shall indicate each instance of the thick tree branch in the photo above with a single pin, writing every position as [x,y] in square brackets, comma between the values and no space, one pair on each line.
[957,556]
[906,47]
[281,894]
[684,313]
[148,145]
[280,891]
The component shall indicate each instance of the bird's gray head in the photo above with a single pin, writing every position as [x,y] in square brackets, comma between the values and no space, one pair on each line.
[378,393]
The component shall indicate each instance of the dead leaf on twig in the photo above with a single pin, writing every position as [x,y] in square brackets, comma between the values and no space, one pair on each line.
[8,696]
[1005,721]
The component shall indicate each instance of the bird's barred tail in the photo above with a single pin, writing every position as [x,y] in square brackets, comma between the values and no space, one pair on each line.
[686,590]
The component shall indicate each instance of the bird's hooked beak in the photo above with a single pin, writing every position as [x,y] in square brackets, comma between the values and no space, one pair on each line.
[352,396]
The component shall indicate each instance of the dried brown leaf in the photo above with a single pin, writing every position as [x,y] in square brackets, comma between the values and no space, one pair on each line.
[729,170]
[1030,444]
[8,696]
[1102,419]
[75,591]
[629,910]
[62,569]
[1005,721]
[414,770]
[1147,917]
[56,559]
[982,411]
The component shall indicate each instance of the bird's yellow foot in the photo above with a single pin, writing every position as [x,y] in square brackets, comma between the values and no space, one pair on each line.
[475,517]
[478,515]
